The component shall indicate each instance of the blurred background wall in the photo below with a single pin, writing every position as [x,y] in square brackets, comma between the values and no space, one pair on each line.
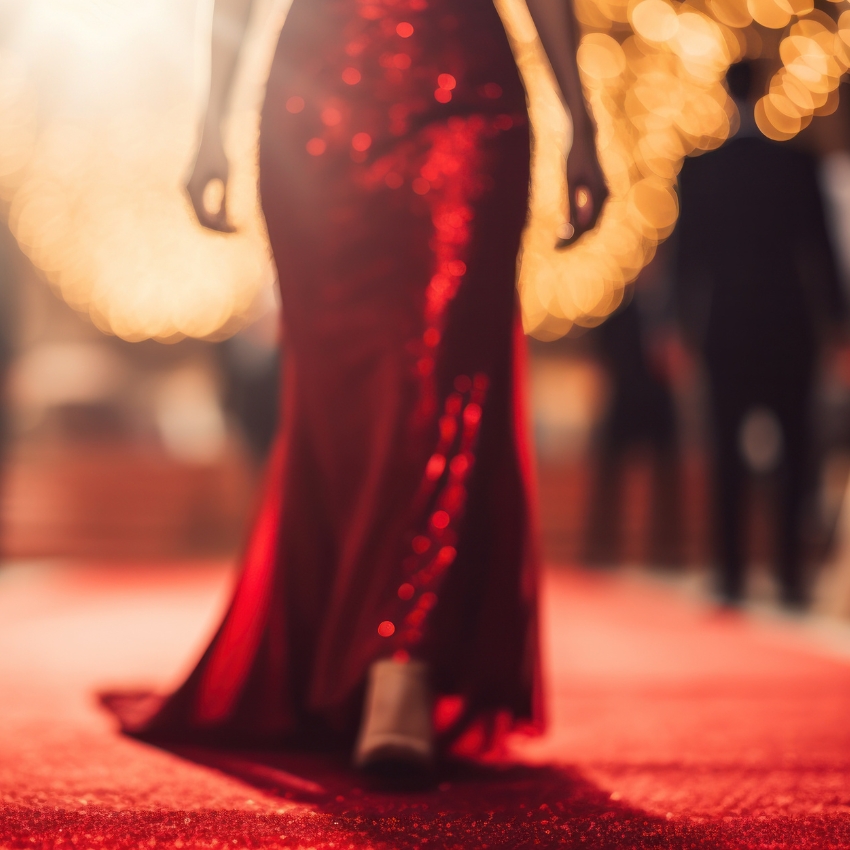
[123,450]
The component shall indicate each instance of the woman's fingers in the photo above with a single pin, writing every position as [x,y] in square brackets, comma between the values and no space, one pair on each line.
[587,188]
[566,232]
[581,217]
[210,206]
[207,184]
[588,200]
[585,207]
[216,218]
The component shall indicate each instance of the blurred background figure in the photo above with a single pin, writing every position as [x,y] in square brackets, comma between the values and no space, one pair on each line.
[639,425]
[8,255]
[758,290]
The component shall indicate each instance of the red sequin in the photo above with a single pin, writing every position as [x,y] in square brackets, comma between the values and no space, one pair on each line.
[426,575]
[440,520]
[435,467]
[463,383]
[331,116]
[421,544]
[316,146]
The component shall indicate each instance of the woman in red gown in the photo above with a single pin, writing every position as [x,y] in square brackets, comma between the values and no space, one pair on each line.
[393,544]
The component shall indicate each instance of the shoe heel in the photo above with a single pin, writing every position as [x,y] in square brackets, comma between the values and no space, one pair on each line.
[397,726]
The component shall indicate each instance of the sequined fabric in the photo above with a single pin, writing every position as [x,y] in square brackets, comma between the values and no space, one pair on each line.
[394,173]
[380,69]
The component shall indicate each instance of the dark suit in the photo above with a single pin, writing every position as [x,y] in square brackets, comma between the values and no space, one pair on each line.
[757,285]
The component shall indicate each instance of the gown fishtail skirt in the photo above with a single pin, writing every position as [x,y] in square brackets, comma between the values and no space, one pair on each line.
[395,517]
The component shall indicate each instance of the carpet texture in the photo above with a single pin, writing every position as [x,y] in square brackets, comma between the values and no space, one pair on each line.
[671,726]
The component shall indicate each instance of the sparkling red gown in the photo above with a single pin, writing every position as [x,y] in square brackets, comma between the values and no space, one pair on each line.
[394,174]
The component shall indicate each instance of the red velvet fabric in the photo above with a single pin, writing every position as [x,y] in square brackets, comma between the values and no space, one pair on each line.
[394,174]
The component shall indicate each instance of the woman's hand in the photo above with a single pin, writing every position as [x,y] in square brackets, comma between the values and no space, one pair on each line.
[210,165]
[586,187]
[559,34]
[230,20]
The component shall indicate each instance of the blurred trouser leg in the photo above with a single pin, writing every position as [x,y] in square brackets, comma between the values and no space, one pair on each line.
[728,481]
[791,495]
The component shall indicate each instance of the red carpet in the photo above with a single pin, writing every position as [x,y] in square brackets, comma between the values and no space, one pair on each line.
[671,727]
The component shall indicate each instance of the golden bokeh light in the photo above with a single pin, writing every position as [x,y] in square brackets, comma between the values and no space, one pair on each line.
[100,105]
[654,73]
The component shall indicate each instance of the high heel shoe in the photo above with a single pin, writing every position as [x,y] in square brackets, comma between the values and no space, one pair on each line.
[396,733]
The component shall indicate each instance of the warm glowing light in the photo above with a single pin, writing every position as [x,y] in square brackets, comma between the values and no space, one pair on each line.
[815,56]
[92,182]
[769,13]
[656,92]
[99,109]
[653,71]
[654,20]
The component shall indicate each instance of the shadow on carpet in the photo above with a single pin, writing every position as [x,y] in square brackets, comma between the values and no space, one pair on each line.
[325,804]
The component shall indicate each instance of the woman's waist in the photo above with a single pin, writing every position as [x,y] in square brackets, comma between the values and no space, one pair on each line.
[449,52]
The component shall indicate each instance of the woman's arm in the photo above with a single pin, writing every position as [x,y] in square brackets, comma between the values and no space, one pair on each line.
[230,20]
[556,25]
